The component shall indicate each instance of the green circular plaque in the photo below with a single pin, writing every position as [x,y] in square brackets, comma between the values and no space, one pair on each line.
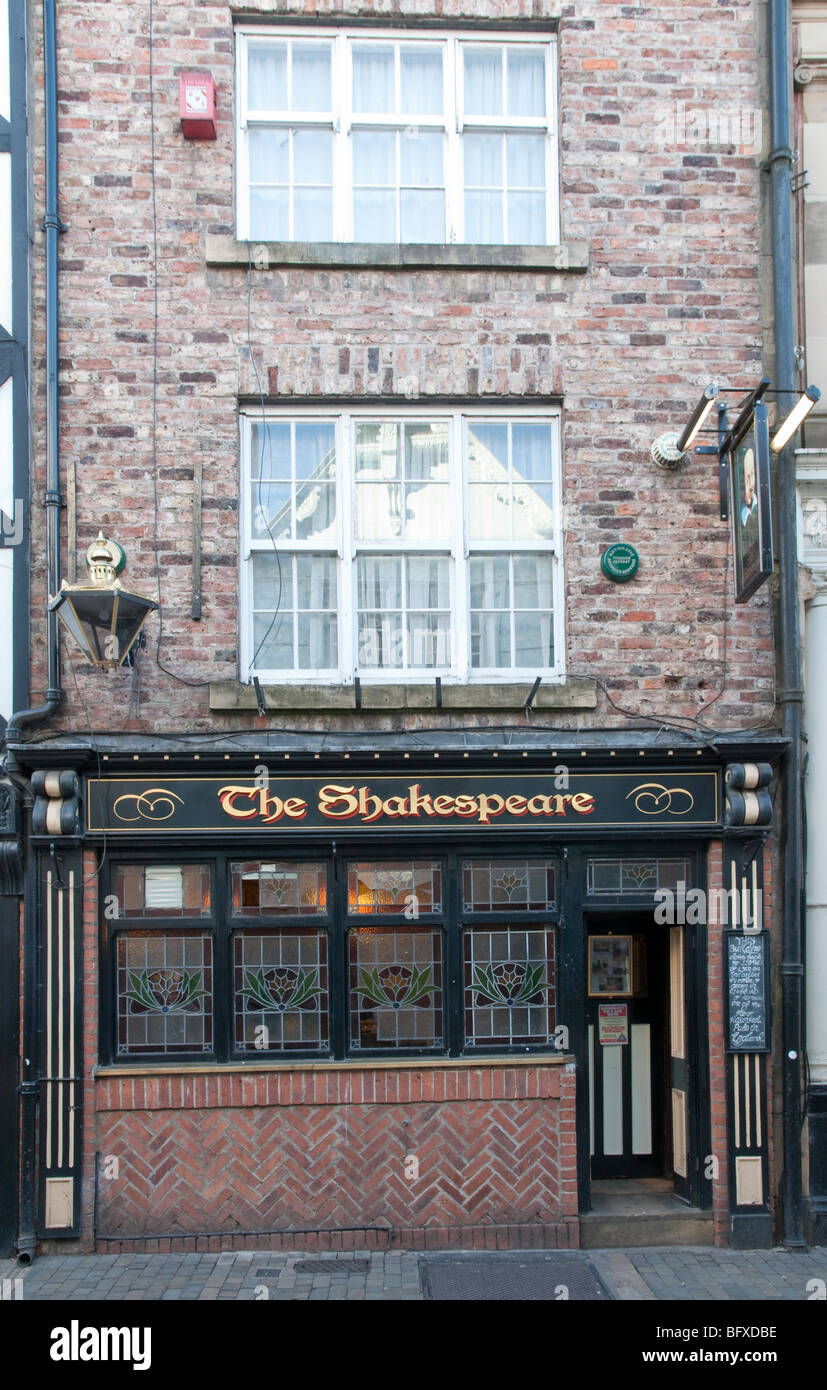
[620,562]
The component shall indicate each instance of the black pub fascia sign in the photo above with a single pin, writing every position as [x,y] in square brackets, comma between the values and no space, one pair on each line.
[443,803]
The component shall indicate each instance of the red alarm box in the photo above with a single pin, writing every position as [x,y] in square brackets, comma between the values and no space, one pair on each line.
[197,91]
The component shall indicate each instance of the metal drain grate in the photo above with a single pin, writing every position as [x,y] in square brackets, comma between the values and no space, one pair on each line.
[542,1277]
[332,1266]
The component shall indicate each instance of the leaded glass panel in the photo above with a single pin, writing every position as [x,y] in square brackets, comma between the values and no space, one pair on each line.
[278,888]
[508,885]
[509,986]
[162,890]
[403,886]
[395,988]
[164,992]
[281,985]
[635,876]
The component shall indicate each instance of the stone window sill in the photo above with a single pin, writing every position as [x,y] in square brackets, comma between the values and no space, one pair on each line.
[231,697]
[343,255]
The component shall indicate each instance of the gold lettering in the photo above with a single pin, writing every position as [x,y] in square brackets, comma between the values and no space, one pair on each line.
[444,805]
[333,795]
[490,806]
[515,805]
[582,803]
[227,796]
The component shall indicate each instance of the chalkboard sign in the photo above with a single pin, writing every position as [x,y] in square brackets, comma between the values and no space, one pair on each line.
[747,991]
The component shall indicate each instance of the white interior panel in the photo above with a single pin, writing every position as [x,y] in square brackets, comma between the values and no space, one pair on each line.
[6,668]
[612,1100]
[641,1088]
[7,455]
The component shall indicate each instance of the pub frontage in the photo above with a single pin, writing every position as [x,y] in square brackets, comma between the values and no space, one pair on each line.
[328,997]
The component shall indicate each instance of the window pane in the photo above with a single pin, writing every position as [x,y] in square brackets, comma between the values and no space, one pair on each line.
[313,156]
[379,511]
[281,991]
[429,641]
[421,158]
[484,218]
[269,214]
[269,156]
[395,886]
[316,511]
[316,583]
[422,216]
[379,581]
[373,83]
[426,452]
[483,80]
[280,887]
[428,582]
[270,510]
[164,993]
[267,77]
[489,512]
[316,451]
[272,581]
[509,987]
[508,885]
[311,77]
[526,219]
[377,454]
[374,216]
[532,451]
[483,160]
[526,156]
[533,516]
[526,82]
[270,450]
[273,641]
[533,579]
[533,640]
[144,890]
[487,452]
[490,640]
[374,157]
[490,583]
[421,80]
[395,988]
[313,214]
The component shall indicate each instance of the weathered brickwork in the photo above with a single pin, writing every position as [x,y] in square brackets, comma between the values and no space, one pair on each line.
[669,302]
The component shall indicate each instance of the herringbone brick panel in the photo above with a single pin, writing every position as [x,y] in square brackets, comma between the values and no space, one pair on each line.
[481,1163]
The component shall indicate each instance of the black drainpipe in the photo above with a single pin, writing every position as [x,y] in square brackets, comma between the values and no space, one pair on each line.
[791,694]
[53,226]
[29,1085]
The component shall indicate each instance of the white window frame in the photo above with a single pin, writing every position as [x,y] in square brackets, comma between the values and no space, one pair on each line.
[347,547]
[341,120]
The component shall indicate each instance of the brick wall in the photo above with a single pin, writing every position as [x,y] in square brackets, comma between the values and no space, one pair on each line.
[322,1151]
[670,302]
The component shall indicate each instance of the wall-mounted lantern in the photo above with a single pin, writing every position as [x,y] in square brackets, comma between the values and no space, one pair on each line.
[104,619]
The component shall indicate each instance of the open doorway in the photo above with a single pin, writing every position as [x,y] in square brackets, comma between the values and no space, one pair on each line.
[634,979]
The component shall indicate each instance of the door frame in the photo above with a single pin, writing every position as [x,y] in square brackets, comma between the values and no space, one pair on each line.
[576,905]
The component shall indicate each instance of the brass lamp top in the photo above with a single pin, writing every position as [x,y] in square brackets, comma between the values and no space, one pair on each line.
[105,560]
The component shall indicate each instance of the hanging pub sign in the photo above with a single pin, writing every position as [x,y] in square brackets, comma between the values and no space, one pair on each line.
[345,803]
[751,504]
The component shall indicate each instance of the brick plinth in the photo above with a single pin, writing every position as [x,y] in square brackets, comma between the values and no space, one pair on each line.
[323,1160]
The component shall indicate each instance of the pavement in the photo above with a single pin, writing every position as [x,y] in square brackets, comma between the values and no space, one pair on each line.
[650,1274]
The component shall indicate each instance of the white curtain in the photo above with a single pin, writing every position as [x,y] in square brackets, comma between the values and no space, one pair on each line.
[483,80]
[526,81]
[373,82]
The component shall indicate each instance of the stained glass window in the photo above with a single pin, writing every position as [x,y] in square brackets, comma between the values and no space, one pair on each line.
[162,890]
[164,992]
[508,885]
[395,988]
[278,887]
[509,986]
[281,991]
[635,876]
[412,888]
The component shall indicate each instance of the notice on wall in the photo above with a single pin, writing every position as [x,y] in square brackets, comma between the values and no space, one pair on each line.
[747,998]
[613,1024]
